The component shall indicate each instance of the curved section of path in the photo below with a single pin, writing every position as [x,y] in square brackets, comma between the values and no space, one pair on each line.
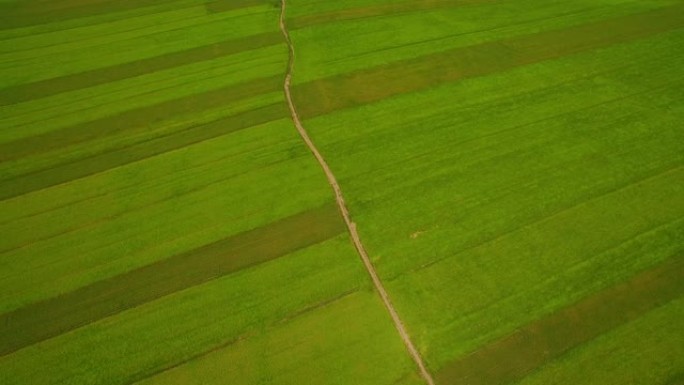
[351,226]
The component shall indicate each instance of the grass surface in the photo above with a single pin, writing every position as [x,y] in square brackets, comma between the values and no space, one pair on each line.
[634,352]
[513,357]
[158,207]
[514,169]
[57,315]
[227,314]
[359,320]
[526,155]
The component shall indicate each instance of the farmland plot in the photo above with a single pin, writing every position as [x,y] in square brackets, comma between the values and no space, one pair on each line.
[507,162]
[158,210]
[513,167]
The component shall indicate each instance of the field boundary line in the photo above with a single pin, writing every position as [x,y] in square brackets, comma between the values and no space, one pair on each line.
[339,198]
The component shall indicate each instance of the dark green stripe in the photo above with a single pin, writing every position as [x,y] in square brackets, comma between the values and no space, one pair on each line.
[29,13]
[49,87]
[54,316]
[377,10]
[81,168]
[677,379]
[136,120]
[230,5]
[511,358]
[324,96]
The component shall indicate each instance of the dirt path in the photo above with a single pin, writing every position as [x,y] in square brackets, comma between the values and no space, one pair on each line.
[351,226]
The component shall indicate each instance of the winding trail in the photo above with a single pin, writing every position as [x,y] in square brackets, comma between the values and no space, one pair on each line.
[351,226]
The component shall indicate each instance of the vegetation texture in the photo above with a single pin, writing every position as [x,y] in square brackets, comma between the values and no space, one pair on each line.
[514,169]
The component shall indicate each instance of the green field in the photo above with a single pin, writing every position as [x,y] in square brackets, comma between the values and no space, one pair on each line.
[514,169]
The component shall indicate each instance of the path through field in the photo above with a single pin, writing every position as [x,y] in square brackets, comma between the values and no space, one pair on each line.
[343,207]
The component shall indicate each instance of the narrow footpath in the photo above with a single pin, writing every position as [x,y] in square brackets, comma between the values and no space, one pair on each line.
[351,226]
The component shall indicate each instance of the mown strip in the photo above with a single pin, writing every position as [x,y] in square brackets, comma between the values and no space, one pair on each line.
[25,14]
[377,10]
[512,357]
[217,6]
[49,87]
[84,167]
[51,317]
[137,119]
[324,96]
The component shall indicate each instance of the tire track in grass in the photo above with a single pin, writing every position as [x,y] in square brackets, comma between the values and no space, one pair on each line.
[512,357]
[342,206]
[324,96]
[49,318]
